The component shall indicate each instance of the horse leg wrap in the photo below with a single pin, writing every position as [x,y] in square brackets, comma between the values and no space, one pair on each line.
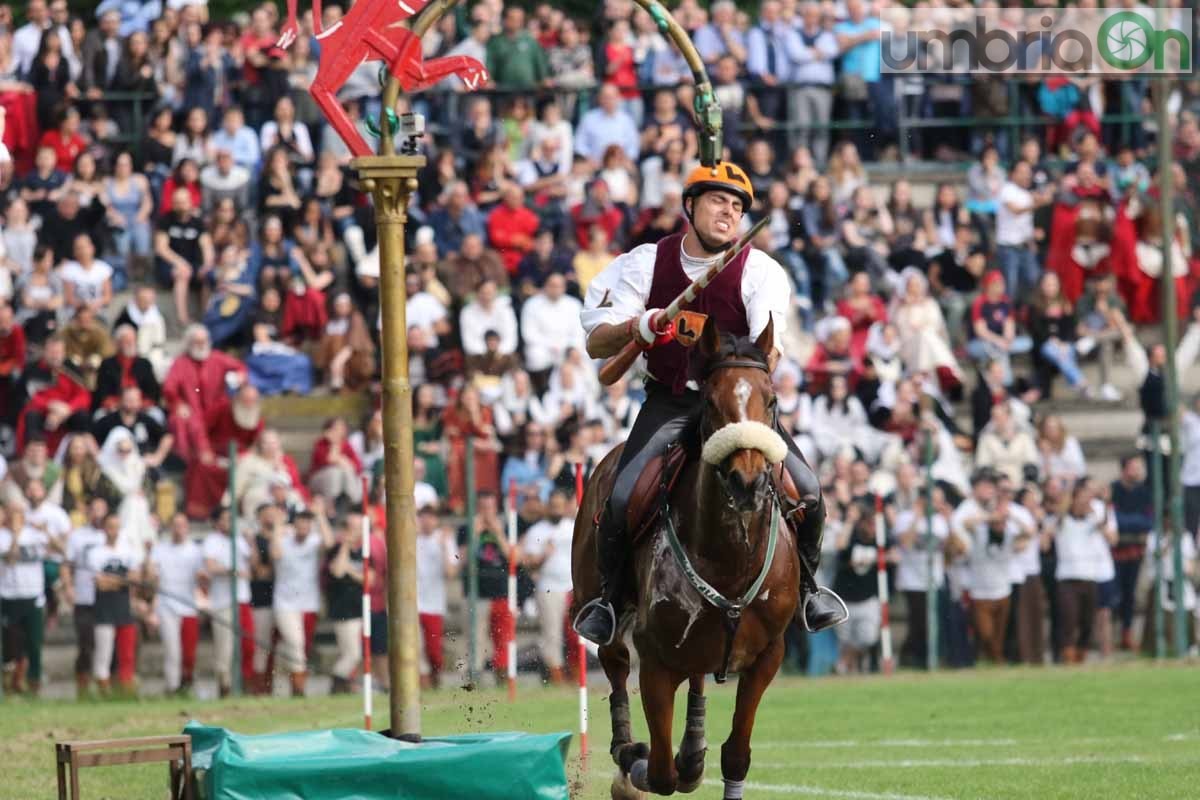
[734,789]
[622,728]
[689,761]
[695,715]
[627,756]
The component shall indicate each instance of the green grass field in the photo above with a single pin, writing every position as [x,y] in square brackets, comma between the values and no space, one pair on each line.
[1131,731]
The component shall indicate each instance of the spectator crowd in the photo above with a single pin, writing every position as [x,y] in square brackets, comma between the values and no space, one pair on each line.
[184,238]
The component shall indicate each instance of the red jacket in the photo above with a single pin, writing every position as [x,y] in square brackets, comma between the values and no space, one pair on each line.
[511,232]
[320,456]
[223,428]
[610,219]
[65,150]
[12,351]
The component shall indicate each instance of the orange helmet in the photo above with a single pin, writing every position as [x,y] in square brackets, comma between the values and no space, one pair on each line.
[724,176]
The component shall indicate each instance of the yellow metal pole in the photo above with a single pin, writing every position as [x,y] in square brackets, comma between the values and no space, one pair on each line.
[391,180]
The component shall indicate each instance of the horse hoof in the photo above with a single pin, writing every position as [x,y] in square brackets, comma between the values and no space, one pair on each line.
[639,775]
[691,771]
[623,788]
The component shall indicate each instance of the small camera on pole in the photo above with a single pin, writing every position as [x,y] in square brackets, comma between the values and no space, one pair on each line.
[412,128]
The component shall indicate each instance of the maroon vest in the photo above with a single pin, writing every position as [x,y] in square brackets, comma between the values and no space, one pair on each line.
[721,300]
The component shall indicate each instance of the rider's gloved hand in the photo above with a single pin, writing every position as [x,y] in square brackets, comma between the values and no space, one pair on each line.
[651,329]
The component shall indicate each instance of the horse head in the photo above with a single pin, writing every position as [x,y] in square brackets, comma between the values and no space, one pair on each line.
[737,420]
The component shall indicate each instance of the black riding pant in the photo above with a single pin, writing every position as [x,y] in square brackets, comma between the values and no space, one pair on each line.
[663,419]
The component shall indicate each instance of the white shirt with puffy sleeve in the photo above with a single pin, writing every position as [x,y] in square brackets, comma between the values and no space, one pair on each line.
[622,289]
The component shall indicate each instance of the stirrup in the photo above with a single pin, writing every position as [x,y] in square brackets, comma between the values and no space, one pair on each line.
[808,598]
[601,607]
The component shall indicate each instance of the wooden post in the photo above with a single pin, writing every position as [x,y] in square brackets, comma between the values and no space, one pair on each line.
[391,179]
[472,566]
[1170,326]
[1160,528]
[235,616]
[933,590]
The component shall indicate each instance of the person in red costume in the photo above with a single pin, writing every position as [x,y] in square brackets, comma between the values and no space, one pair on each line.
[863,308]
[58,401]
[1137,258]
[1080,231]
[12,361]
[335,468]
[238,421]
[195,387]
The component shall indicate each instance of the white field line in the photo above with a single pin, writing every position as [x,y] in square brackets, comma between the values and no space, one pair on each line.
[910,763]
[820,791]
[838,744]
[856,743]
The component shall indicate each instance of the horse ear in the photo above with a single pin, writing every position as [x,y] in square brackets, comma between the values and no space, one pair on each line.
[710,339]
[766,340]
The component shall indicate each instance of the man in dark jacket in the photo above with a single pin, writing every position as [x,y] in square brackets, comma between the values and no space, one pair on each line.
[1133,507]
[124,368]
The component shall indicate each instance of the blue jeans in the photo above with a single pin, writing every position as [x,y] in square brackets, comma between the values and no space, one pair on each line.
[132,240]
[834,274]
[982,351]
[822,654]
[1062,355]
[798,268]
[1020,267]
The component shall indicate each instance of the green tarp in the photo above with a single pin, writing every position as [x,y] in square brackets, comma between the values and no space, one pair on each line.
[344,763]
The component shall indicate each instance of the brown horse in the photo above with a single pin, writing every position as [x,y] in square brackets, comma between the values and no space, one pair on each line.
[724,517]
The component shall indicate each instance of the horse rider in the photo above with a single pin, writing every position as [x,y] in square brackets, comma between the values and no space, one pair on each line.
[623,304]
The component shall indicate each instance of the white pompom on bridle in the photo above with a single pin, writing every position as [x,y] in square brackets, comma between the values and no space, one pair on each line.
[746,435]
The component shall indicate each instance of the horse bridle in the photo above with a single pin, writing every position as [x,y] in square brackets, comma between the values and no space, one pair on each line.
[736,363]
[732,610]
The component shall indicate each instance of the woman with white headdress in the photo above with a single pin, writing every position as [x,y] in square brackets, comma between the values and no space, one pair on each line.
[122,464]
[924,342]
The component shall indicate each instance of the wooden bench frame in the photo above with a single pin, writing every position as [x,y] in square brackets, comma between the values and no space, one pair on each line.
[70,757]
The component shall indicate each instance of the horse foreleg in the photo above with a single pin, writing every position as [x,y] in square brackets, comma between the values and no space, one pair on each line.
[735,753]
[614,658]
[689,761]
[657,774]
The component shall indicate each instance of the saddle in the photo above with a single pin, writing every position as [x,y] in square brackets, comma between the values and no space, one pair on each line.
[646,501]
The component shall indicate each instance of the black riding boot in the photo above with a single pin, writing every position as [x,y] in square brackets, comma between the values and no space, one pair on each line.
[597,621]
[820,607]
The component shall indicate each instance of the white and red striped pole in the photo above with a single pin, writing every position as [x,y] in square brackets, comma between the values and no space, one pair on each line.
[366,603]
[511,521]
[885,621]
[582,670]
